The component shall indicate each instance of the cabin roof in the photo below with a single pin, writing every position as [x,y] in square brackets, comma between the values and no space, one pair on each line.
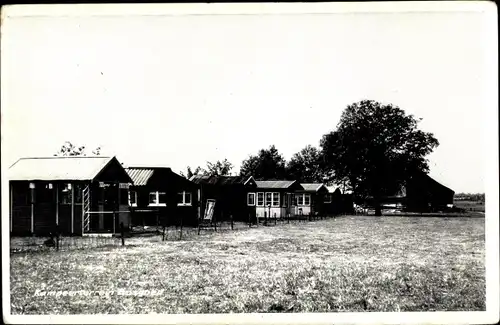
[274,184]
[58,168]
[219,180]
[313,187]
[139,175]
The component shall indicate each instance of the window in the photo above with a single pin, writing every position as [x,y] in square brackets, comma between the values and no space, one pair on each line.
[268,199]
[303,199]
[251,199]
[157,199]
[132,198]
[65,193]
[21,195]
[276,200]
[78,192]
[327,198]
[184,198]
[260,199]
[307,199]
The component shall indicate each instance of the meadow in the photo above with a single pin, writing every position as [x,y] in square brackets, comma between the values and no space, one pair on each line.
[351,263]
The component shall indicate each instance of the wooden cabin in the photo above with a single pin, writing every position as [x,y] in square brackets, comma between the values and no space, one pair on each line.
[276,199]
[160,197]
[311,198]
[74,195]
[234,196]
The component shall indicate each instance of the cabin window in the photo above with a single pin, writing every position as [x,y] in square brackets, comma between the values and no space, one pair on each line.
[78,192]
[260,199]
[268,199]
[327,198]
[251,199]
[299,198]
[276,199]
[65,193]
[184,198]
[132,198]
[157,199]
[307,199]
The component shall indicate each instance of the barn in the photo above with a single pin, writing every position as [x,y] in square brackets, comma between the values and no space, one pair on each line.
[74,195]
[276,199]
[311,198]
[425,194]
[160,197]
[234,196]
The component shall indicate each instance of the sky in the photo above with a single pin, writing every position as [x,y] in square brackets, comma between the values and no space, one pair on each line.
[181,90]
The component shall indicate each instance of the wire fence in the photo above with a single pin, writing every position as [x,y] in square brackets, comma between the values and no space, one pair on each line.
[34,244]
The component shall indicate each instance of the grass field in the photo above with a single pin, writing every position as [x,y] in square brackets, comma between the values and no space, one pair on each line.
[348,264]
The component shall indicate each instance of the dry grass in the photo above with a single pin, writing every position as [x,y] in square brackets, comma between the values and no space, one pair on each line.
[347,264]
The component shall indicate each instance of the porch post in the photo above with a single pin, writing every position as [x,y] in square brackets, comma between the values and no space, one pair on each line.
[57,202]
[32,203]
[11,204]
[73,208]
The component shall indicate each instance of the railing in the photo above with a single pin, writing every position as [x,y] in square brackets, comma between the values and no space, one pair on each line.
[86,208]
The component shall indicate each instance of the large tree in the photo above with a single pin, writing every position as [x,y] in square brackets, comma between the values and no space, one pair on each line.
[376,149]
[69,149]
[306,165]
[218,168]
[267,164]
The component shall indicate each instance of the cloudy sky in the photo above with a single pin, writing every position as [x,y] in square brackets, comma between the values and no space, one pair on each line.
[179,90]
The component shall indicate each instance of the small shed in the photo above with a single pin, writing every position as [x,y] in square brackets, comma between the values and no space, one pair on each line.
[79,194]
[276,199]
[311,199]
[160,197]
[234,196]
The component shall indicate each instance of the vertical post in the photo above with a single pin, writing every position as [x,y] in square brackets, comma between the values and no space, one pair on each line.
[180,236]
[122,232]
[57,236]
[56,187]
[73,207]
[32,199]
[11,199]
[232,224]
[163,233]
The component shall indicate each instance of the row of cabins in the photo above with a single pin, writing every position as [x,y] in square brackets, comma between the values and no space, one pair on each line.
[85,195]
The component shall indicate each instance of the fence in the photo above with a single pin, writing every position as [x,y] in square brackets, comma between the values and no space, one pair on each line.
[157,234]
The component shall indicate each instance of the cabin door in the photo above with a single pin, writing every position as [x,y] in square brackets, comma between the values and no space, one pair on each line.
[45,208]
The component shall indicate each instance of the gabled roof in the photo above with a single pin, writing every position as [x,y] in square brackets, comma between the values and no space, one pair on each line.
[313,187]
[140,175]
[220,180]
[275,184]
[58,168]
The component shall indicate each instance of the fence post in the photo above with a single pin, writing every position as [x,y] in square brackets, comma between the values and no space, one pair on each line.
[163,234]
[57,237]
[180,237]
[232,225]
[122,231]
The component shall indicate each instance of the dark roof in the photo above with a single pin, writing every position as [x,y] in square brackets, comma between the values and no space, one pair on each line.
[274,184]
[58,168]
[220,180]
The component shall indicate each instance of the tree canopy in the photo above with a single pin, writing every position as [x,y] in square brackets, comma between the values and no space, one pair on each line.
[306,165]
[69,149]
[218,168]
[267,164]
[376,149]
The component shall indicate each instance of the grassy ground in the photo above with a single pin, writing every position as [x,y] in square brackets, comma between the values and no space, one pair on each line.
[468,205]
[348,264]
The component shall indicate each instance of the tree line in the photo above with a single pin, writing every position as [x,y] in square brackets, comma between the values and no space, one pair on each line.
[374,150]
